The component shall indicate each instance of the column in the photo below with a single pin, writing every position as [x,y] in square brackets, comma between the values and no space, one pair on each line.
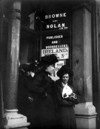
[82,66]
[12,119]
[1,62]
[96,59]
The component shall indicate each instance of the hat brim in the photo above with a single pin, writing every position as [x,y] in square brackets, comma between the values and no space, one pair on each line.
[49,60]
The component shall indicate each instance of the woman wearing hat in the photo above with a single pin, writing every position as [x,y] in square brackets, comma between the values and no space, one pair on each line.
[42,90]
[26,74]
[66,99]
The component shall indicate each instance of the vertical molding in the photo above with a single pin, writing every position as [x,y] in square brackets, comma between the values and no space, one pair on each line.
[82,65]
[87,55]
[1,85]
[96,58]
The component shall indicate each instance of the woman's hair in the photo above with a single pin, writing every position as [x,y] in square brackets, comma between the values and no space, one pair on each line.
[65,70]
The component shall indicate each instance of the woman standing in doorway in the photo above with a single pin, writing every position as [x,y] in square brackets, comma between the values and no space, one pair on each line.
[42,92]
[66,99]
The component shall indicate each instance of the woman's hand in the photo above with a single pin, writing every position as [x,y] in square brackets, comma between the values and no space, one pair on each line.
[73,95]
[73,98]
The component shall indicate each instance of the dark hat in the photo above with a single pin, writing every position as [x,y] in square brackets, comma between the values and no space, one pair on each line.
[48,60]
[27,67]
[63,70]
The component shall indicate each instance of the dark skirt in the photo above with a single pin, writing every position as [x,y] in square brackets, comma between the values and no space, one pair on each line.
[66,117]
[41,113]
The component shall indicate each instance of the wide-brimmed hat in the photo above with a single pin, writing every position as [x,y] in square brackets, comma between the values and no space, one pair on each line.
[48,60]
[64,70]
[28,66]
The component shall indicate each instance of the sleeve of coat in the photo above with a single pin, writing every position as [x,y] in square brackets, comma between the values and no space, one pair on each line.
[35,85]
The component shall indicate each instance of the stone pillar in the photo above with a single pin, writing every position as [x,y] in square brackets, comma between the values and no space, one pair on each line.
[12,119]
[82,66]
[1,17]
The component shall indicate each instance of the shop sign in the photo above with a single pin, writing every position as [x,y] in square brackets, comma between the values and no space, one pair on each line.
[56,21]
[62,53]
[55,38]
[59,64]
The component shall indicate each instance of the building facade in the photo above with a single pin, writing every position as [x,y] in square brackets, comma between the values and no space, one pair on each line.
[31,29]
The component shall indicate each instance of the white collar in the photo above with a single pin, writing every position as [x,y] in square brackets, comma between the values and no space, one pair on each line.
[65,85]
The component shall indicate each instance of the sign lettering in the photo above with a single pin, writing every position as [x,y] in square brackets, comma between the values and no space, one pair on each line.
[56,26]
[58,15]
[62,53]
[54,37]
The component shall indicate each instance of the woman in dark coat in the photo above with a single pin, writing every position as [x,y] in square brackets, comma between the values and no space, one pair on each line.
[66,99]
[24,101]
[42,92]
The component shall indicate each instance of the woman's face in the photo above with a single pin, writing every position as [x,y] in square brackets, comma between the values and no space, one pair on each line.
[51,69]
[65,78]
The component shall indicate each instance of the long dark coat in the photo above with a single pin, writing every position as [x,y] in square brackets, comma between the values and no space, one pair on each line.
[41,90]
[25,106]
[65,109]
